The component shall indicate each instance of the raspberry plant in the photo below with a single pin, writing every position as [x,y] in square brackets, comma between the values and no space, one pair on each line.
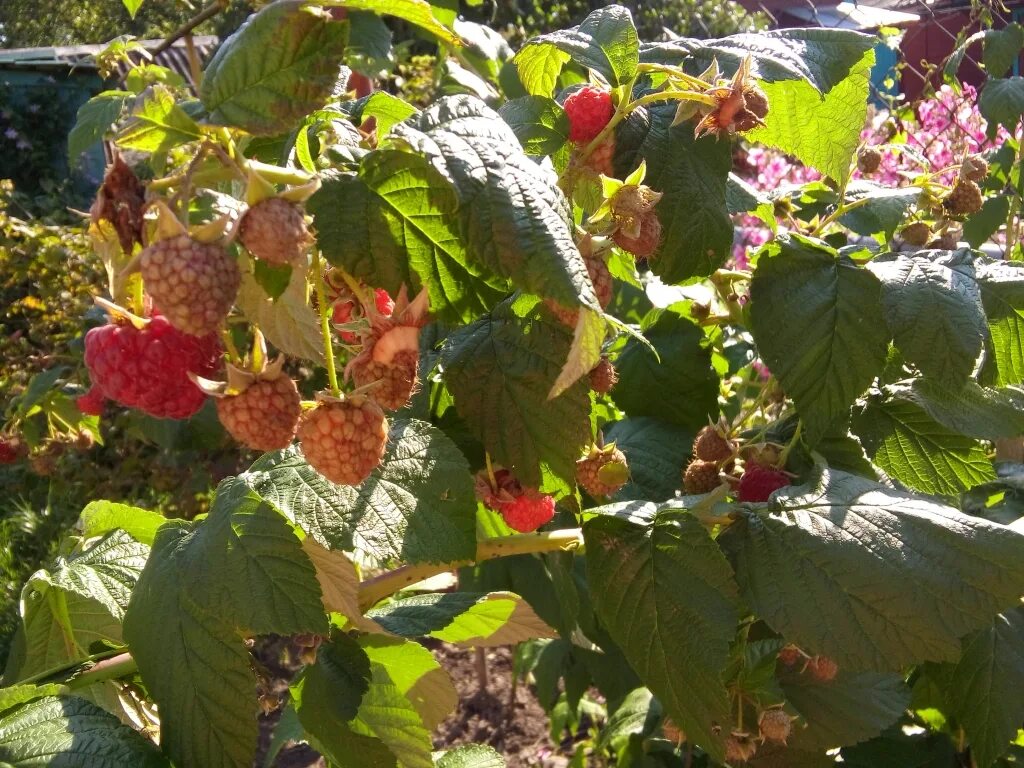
[507,296]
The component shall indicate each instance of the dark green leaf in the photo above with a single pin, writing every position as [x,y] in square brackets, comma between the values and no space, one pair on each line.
[470,756]
[682,388]
[500,370]
[637,714]
[416,506]
[884,208]
[986,688]
[369,46]
[980,226]
[1002,102]
[821,56]
[665,593]
[849,709]
[70,732]
[393,225]
[818,323]
[933,310]
[691,174]
[515,221]
[605,42]
[280,65]
[973,410]
[897,748]
[94,119]
[539,123]
[1002,48]
[656,451]
[240,572]
[872,577]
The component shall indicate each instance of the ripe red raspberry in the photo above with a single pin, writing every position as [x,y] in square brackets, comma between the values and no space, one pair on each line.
[822,668]
[710,445]
[528,512]
[344,309]
[523,509]
[775,725]
[264,416]
[275,231]
[868,159]
[603,376]
[11,449]
[646,242]
[344,441]
[604,286]
[148,369]
[759,482]
[194,284]
[700,476]
[603,471]
[92,402]
[739,748]
[589,110]
[965,198]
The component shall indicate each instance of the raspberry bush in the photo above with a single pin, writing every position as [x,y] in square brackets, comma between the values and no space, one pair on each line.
[738,513]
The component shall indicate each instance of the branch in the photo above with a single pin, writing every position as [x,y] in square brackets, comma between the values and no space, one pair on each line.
[207,13]
[372,591]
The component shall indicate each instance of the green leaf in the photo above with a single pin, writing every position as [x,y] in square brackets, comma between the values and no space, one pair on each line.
[903,748]
[327,698]
[470,756]
[584,352]
[464,618]
[692,175]
[417,675]
[500,370]
[79,602]
[416,12]
[1002,102]
[273,278]
[605,42]
[288,322]
[539,67]
[1002,48]
[681,388]
[657,453]
[986,687]
[933,310]
[818,324]
[16,695]
[514,219]
[846,710]
[100,517]
[75,733]
[914,449]
[94,120]
[240,572]
[132,6]
[882,210]
[827,565]
[823,57]
[1002,295]
[637,714]
[665,593]
[369,49]
[539,123]
[387,714]
[279,66]
[394,225]
[973,410]
[982,225]
[417,505]
[158,125]
[387,110]
[822,131]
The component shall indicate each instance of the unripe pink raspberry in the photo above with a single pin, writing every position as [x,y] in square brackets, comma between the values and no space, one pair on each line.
[344,441]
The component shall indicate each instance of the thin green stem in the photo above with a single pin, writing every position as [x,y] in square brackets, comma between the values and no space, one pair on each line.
[841,210]
[789,446]
[325,323]
[69,666]
[1011,214]
[372,591]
